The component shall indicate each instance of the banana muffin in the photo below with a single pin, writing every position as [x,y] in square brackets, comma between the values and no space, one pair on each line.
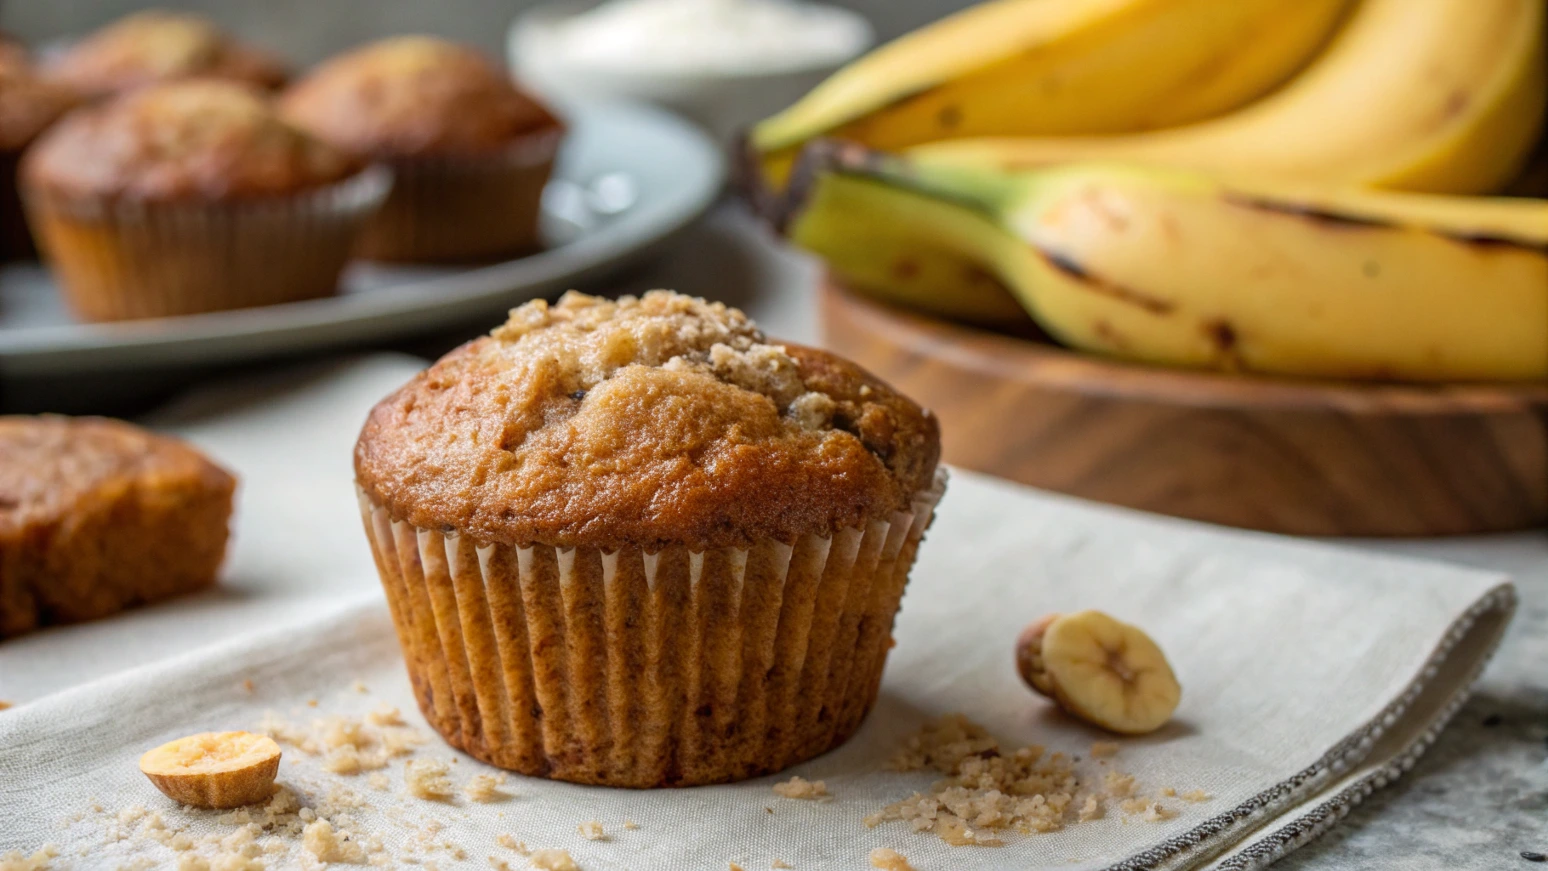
[470,151]
[28,105]
[97,515]
[634,543]
[192,197]
[159,46]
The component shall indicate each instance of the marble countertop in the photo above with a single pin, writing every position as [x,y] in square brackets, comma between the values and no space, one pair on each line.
[1476,800]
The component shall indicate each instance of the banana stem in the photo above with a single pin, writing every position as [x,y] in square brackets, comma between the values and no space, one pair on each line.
[992,193]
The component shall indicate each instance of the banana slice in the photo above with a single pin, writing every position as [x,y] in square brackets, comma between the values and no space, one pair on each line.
[1103,671]
[214,769]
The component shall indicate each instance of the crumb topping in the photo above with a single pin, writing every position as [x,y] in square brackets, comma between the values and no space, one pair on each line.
[647,421]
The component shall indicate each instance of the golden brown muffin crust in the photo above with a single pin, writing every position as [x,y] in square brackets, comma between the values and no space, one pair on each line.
[97,514]
[415,96]
[646,422]
[185,140]
[158,46]
[28,104]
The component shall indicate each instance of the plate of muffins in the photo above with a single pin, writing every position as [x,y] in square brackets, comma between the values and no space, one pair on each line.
[174,194]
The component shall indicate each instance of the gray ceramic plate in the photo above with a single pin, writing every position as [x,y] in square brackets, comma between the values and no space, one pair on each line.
[629,177]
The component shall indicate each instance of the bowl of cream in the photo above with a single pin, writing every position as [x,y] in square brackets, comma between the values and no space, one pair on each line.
[723,64]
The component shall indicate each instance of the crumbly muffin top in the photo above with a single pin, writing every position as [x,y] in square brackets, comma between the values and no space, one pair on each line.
[199,139]
[157,46]
[28,104]
[414,96]
[48,464]
[643,422]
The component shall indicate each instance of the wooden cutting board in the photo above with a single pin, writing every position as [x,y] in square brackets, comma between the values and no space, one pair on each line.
[1301,457]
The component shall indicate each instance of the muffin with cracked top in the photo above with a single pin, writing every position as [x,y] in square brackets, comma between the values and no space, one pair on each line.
[192,197]
[157,46]
[635,543]
[469,150]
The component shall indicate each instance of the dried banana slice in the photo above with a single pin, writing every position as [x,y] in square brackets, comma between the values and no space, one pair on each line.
[1104,671]
[214,769]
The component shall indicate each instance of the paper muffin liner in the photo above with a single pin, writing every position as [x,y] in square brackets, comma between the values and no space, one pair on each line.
[638,669]
[120,259]
[461,209]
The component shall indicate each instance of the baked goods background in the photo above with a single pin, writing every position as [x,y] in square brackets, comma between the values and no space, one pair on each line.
[1215,334]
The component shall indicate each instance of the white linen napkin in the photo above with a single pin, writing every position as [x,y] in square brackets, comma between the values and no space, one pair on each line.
[1311,675]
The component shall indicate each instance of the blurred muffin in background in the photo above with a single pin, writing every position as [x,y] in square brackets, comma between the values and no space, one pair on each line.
[470,151]
[192,197]
[158,46]
[13,53]
[28,105]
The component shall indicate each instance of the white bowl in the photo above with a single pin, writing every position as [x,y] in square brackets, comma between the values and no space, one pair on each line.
[725,103]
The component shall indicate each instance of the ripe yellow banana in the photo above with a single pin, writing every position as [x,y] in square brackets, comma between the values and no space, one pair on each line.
[1009,67]
[1175,267]
[1444,96]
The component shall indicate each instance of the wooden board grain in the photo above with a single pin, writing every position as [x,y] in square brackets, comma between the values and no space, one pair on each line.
[1300,457]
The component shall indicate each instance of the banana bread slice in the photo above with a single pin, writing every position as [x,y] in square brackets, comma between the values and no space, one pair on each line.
[97,515]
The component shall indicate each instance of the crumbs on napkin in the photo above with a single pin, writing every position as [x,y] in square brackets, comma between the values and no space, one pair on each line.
[990,792]
[800,788]
[889,860]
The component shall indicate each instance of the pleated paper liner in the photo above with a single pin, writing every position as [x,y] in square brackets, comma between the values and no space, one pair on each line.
[120,259]
[635,669]
[462,209]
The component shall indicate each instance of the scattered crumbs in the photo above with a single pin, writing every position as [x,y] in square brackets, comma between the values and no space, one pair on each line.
[385,715]
[38,861]
[1118,784]
[192,862]
[359,687]
[889,860]
[311,703]
[426,779]
[499,864]
[631,825]
[379,781]
[1168,791]
[1104,750]
[1158,812]
[768,810]
[485,788]
[1196,795]
[735,867]
[1134,805]
[591,830]
[510,843]
[249,686]
[319,839]
[797,787]
[553,860]
[781,863]
[4,704]
[1090,809]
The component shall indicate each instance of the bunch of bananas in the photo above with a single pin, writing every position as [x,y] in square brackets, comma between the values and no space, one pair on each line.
[1281,186]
